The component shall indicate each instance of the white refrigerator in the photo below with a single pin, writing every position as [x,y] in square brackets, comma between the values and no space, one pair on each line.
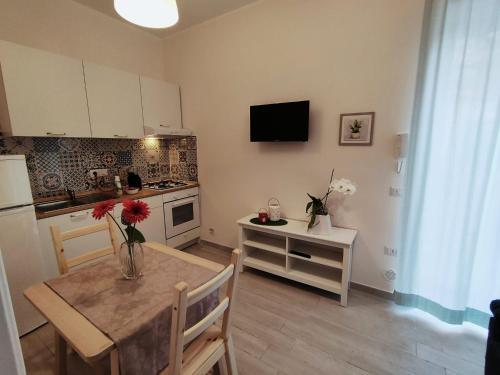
[19,239]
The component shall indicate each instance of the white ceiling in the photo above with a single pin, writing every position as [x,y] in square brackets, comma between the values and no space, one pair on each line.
[191,12]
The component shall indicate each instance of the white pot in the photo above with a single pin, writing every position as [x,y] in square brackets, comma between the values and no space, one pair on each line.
[322,225]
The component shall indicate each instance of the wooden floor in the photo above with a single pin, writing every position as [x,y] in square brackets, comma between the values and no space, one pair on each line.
[281,327]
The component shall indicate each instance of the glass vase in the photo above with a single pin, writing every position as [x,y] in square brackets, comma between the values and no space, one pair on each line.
[131,260]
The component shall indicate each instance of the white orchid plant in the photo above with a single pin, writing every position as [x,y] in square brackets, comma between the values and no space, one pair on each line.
[317,206]
[343,186]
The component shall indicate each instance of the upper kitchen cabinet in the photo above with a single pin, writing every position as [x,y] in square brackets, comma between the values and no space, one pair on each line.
[114,99]
[161,106]
[41,94]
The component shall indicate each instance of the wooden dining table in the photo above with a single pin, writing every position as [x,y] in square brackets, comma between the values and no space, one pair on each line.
[73,329]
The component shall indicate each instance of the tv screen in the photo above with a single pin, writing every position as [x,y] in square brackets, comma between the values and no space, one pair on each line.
[281,122]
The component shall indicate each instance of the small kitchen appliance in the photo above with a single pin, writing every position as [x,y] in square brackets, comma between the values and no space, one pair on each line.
[134,180]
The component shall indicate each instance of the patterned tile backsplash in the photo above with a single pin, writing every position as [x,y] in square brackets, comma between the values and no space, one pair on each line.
[56,164]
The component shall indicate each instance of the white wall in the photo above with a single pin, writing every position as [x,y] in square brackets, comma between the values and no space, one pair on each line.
[71,29]
[344,56]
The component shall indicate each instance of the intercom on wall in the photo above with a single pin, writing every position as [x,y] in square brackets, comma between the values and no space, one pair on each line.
[401,149]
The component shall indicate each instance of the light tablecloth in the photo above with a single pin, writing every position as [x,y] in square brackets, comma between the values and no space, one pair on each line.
[135,314]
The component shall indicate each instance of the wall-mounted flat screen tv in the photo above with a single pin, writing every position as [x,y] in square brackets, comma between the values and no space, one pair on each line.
[280,122]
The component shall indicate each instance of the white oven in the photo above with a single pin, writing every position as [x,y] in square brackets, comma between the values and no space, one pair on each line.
[182,216]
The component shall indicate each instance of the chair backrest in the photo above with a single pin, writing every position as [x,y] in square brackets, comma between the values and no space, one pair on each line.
[179,336]
[59,237]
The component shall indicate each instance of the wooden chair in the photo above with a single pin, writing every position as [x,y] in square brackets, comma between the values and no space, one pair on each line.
[210,345]
[59,237]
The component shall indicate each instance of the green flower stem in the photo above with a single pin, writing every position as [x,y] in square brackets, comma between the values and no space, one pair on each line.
[118,225]
[130,246]
[131,250]
[329,190]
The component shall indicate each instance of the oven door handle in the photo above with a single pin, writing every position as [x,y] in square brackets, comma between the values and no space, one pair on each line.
[181,202]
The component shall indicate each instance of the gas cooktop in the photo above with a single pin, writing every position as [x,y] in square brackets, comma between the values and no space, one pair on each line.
[164,184]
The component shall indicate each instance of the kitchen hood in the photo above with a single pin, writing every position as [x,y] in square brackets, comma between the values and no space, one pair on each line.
[166,132]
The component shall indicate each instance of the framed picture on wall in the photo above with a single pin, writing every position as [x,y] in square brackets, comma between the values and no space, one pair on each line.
[356,129]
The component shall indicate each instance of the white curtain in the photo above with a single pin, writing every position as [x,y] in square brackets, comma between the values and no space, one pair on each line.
[450,243]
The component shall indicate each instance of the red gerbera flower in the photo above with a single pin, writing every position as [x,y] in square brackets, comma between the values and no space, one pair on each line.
[101,209]
[135,211]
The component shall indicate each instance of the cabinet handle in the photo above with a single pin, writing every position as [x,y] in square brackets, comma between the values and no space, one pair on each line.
[165,126]
[56,134]
[77,216]
[120,136]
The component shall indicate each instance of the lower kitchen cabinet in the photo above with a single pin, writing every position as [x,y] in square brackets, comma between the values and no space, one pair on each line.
[153,228]
[73,247]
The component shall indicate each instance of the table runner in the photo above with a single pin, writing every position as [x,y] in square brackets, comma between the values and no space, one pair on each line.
[135,314]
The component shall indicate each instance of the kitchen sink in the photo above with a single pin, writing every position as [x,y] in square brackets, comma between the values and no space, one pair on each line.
[50,206]
[58,205]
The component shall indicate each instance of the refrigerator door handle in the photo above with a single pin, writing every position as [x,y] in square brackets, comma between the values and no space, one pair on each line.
[16,209]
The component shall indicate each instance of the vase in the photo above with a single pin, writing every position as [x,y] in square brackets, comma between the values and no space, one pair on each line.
[131,260]
[355,135]
[322,225]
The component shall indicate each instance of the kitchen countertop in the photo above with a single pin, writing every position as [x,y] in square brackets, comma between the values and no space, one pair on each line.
[144,193]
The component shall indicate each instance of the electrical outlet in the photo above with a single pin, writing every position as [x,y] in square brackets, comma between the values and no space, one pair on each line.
[389,275]
[211,230]
[395,191]
[100,172]
[390,251]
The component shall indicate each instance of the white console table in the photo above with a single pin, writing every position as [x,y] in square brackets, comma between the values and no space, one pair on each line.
[270,249]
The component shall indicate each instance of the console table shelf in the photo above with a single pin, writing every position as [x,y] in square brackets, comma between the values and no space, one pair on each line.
[325,262]
[267,243]
[265,263]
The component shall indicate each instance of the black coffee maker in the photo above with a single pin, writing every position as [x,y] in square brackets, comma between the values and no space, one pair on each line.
[133,179]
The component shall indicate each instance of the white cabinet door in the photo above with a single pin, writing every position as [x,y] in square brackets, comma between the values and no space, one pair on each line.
[161,105]
[153,228]
[75,246]
[114,99]
[43,94]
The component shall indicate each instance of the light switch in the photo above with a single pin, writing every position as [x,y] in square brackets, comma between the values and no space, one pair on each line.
[395,191]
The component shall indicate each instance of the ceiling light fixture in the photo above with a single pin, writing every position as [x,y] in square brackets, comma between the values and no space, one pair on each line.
[156,14]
